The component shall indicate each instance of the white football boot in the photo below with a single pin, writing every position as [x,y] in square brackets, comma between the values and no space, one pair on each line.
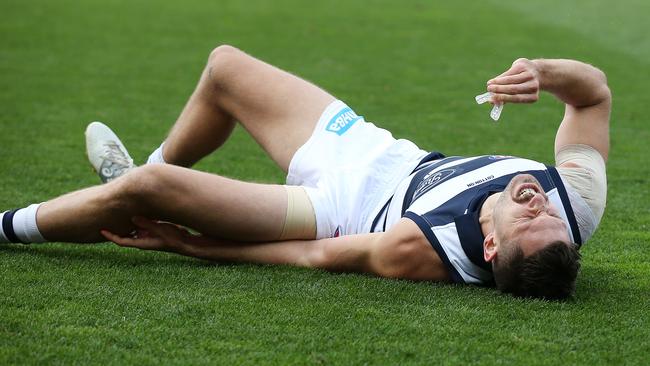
[106,152]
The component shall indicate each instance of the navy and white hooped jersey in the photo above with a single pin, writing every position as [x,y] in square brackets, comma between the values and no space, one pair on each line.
[443,196]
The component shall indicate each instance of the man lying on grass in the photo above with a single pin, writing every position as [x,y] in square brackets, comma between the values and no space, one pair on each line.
[356,199]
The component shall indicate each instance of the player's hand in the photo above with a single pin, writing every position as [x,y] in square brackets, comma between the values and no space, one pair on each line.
[520,84]
[153,235]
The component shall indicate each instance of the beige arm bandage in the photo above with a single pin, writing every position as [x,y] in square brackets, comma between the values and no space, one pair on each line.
[300,221]
[590,179]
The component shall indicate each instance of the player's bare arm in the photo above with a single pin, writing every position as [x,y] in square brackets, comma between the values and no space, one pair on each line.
[401,252]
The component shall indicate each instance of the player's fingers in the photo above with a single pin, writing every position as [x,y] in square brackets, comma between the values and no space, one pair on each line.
[142,233]
[144,223]
[518,78]
[529,87]
[148,243]
[154,228]
[516,68]
[517,98]
[119,240]
[157,228]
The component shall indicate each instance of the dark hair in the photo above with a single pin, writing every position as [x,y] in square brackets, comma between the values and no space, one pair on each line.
[550,273]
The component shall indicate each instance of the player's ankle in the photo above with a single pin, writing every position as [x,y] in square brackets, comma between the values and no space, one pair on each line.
[19,226]
[157,156]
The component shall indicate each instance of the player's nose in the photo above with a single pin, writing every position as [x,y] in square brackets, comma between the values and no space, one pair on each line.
[538,202]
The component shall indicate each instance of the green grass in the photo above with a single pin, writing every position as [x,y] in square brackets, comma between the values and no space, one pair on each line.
[408,66]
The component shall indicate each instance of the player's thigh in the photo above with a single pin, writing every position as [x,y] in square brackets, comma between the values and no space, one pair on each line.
[278,109]
[213,205]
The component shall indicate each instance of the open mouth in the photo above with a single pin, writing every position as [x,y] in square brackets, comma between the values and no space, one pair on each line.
[526,187]
[526,192]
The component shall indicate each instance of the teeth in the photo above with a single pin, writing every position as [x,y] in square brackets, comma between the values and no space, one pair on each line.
[527,193]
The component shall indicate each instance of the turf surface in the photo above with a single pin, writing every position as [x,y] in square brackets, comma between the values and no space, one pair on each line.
[412,67]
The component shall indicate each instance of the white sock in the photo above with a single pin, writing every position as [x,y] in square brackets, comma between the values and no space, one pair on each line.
[156,157]
[19,226]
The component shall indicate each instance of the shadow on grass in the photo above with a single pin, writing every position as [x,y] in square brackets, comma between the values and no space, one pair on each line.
[106,256]
[104,253]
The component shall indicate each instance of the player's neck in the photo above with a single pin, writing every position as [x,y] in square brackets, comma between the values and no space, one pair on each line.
[485,215]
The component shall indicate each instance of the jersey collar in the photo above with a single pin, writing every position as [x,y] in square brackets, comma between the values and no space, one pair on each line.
[469,228]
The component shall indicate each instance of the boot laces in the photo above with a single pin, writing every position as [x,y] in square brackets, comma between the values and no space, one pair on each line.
[114,154]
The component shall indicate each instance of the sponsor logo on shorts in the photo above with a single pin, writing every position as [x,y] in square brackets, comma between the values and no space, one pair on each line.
[431,180]
[342,121]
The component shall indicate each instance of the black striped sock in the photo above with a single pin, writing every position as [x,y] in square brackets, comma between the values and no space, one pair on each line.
[19,226]
[8,234]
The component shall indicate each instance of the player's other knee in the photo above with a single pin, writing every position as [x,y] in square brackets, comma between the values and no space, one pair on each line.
[223,61]
[223,51]
[140,187]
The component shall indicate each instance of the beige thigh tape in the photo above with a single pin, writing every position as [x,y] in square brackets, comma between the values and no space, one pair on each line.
[300,222]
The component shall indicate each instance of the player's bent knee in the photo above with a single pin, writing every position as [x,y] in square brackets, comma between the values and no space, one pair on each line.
[223,61]
[222,51]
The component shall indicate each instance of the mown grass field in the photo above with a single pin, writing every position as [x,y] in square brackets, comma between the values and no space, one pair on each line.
[412,67]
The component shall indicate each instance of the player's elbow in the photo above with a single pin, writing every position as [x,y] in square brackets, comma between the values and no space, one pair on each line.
[606,93]
[602,88]
[601,76]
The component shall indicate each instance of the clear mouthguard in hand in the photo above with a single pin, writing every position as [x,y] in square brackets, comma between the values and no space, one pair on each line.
[495,113]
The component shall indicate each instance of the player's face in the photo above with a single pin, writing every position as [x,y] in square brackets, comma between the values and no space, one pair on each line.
[524,215]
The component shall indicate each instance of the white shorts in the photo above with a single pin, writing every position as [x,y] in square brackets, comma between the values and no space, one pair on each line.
[350,168]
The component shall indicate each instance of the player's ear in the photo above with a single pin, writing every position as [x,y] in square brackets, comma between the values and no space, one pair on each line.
[489,247]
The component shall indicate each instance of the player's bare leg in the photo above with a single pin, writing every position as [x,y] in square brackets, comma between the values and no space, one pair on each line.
[213,205]
[278,109]
[202,127]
